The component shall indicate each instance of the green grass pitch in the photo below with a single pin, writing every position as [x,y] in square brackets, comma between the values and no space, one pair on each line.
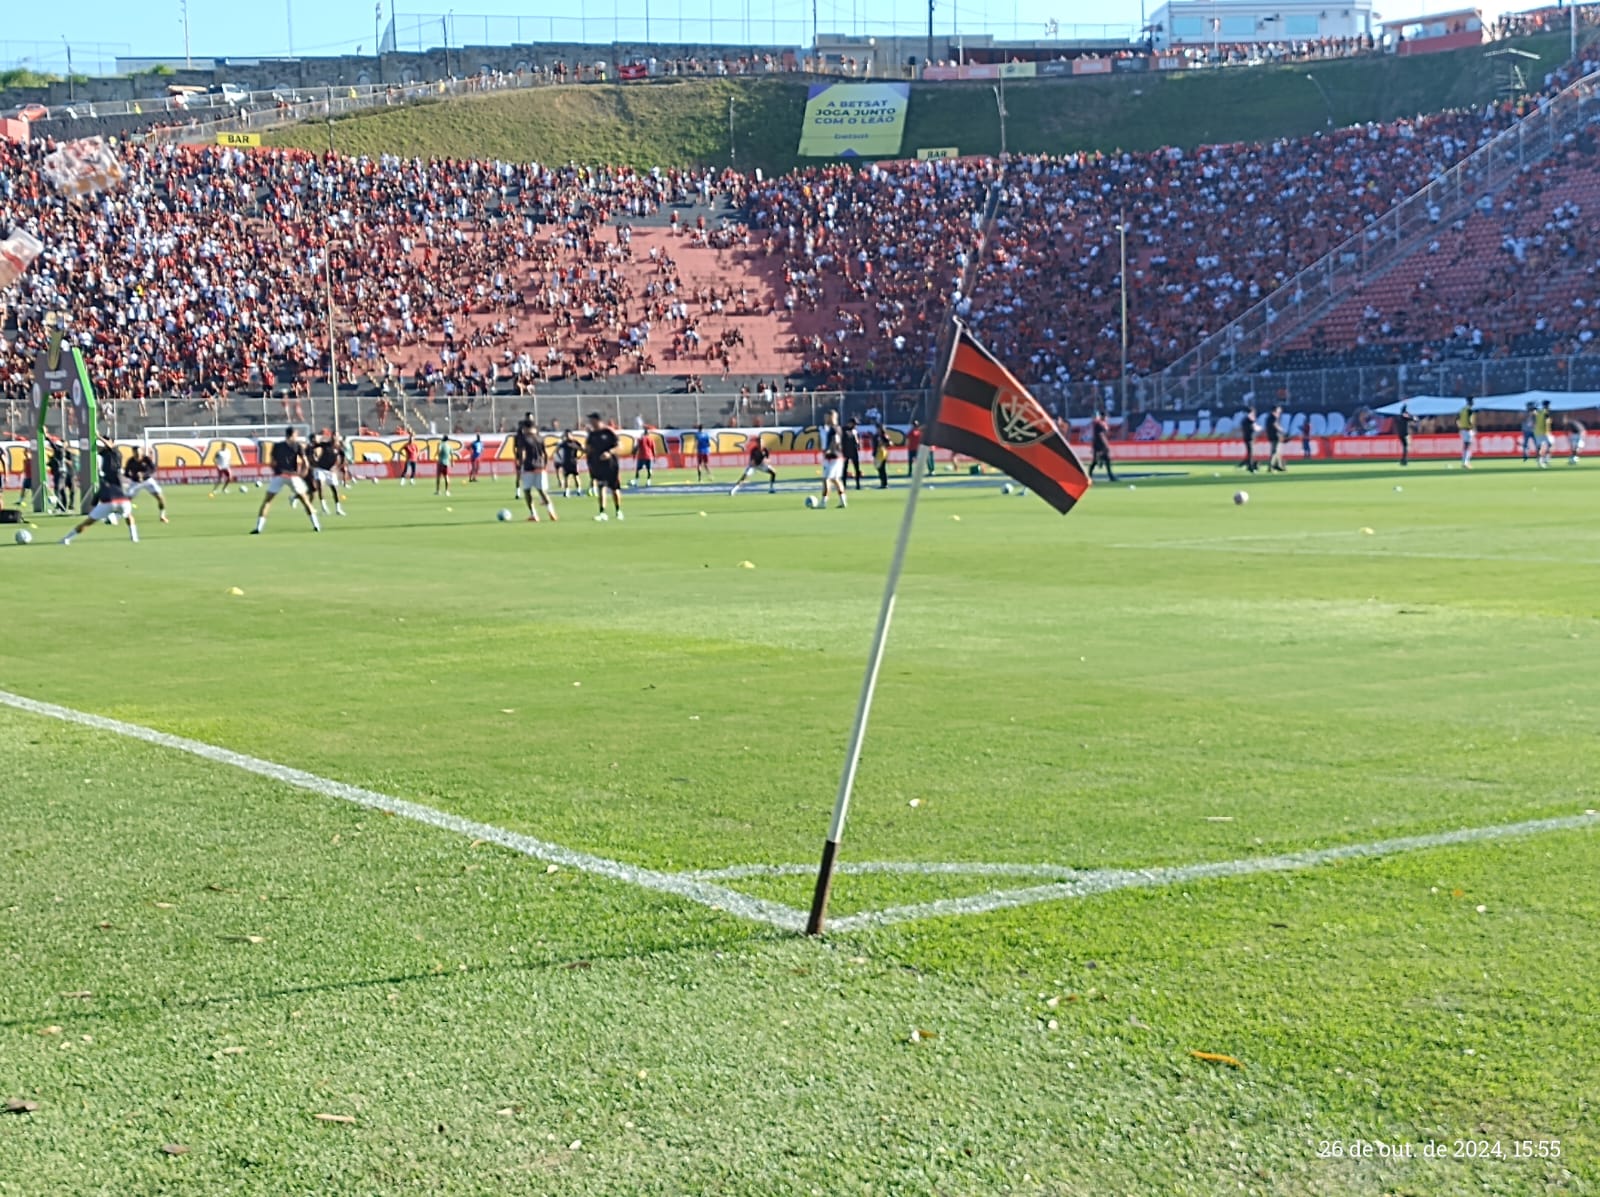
[198,960]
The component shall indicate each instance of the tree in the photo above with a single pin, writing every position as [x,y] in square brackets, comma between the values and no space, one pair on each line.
[24,77]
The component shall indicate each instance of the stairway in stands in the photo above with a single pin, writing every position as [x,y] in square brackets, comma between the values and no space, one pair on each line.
[1283,316]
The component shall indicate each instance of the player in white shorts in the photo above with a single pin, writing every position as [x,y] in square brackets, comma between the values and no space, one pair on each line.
[533,473]
[288,470]
[832,458]
[758,465]
[111,499]
[141,471]
[323,454]
[224,464]
[1576,433]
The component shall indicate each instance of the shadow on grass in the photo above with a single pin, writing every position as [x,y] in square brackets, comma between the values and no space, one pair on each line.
[551,964]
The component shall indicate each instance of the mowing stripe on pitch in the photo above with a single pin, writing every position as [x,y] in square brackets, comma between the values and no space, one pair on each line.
[1109,880]
[679,885]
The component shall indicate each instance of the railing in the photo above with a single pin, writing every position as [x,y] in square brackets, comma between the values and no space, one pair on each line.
[1387,241]
[1346,388]
[498,412]
[1343,389]
[336,100]
[1340,388]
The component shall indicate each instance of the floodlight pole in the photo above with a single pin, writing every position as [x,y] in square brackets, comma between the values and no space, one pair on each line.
[327,283]
[880,635]
[1122,274]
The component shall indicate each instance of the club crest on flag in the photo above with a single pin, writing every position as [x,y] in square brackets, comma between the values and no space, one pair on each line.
[1018,418]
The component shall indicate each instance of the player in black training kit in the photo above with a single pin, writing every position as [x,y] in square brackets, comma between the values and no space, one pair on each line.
[1403,424]
[533,468]
[111,499]
[567,450]
[141,472]
[758,465]
[324,453]
[601,451]
[1247,433]
[850,443]
[288,470]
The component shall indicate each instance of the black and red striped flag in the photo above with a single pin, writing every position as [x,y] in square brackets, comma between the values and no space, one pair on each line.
[987,414]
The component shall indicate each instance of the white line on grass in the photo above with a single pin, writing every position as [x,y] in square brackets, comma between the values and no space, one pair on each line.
[1108,880]
[700,888]
[679,885]
[955,868]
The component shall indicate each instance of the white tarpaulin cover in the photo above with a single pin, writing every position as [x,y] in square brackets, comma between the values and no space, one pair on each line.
[1449,405]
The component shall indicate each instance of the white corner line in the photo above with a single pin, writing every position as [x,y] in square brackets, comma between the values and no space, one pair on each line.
[1109,880]
[678,885]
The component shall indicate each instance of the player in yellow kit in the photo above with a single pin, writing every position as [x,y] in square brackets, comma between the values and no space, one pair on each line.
[1541,434]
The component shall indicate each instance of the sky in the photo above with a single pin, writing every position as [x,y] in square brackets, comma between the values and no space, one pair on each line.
[100,30]
[36,35]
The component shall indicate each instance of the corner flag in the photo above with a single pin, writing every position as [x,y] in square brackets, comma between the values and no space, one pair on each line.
[984,412]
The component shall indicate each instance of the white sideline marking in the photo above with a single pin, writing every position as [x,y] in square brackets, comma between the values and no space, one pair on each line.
[689,888]
[1108,880]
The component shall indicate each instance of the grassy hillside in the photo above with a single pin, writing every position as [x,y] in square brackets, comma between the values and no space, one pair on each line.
[674,123]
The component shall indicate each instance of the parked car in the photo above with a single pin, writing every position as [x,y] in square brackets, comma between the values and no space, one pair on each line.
[231,93]
[32,112]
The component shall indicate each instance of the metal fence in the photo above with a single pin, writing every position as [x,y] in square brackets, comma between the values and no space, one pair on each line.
[1350,387]
[1404,228]
[1343,389]
[315,103]
[498,413]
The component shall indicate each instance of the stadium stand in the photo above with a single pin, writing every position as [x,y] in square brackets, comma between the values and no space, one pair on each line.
[204,275]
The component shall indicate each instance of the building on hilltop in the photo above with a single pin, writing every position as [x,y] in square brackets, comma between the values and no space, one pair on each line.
[1202,23]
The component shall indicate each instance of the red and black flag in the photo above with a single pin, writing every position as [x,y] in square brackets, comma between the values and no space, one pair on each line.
[987,414]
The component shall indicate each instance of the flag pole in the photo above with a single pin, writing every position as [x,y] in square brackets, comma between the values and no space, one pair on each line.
[880,635]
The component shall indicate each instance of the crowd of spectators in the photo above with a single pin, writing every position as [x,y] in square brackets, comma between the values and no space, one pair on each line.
[1209,232]
[204,273]
[1220,53]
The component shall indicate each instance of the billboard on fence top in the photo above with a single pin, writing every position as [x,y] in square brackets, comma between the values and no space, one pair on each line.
[854,120]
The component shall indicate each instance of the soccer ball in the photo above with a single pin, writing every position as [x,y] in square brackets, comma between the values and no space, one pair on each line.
[1007,488]
[1241,497]
[811,501]
[503,515]
[23,536]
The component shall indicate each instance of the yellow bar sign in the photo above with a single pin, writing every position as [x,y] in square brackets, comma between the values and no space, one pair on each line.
[946,151]
[243,139]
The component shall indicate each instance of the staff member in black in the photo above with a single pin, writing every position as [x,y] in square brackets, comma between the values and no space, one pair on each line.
[1275,439]
[1247,431]
[567,465]
[1402,429]
[601,450]
[850,445]
[1101,434]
